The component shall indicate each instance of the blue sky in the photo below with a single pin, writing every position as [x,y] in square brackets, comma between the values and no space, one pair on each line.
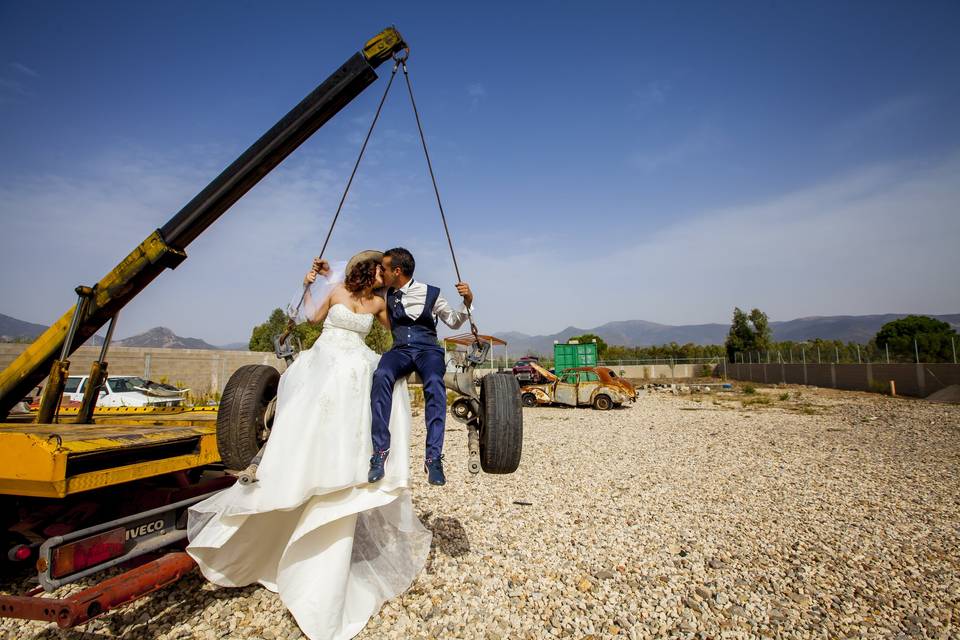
[598,161]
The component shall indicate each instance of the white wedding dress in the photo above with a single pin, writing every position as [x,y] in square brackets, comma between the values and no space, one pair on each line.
[312,529]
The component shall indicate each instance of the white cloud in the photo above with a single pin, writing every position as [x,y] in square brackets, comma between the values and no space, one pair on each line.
[24,69]
[880,240]
[651,95]
[695,143]
[476,92]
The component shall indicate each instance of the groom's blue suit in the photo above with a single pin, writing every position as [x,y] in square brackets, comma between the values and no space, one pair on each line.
[415,348]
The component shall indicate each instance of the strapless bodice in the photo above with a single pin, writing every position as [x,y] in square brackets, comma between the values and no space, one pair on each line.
[345,328]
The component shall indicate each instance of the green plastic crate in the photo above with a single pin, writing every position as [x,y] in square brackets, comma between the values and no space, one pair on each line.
[569,356]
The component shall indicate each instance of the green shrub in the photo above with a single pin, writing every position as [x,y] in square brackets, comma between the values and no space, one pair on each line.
[784,396]
[749,389]
[880,387]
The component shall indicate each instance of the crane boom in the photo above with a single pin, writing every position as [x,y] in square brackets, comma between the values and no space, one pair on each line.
[165,247]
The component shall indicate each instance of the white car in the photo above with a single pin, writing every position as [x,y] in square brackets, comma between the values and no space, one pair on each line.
[126,391]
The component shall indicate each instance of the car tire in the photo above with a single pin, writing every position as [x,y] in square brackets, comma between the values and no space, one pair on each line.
[529,400]
[501,424]
[241,428]
[602,403]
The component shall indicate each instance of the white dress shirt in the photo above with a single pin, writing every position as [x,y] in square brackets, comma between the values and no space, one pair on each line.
[415,296]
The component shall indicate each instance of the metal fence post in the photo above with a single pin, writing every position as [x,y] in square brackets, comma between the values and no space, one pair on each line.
[954,347]
[858,355]
[916,350]
[818,354]
[886,347]
[837,350]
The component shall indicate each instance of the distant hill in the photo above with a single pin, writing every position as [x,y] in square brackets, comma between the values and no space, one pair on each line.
[12,330]
[235,346]
[643,333]
[163,338]
[624,332]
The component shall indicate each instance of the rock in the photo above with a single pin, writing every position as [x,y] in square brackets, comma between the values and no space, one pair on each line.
[584,585]
[606,575]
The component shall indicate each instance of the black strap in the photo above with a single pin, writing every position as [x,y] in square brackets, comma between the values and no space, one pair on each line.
[353,173]
[436,191]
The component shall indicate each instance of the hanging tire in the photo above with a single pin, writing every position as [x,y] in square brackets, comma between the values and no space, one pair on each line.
[529,400]
[501,424]
[602,403]
[241,426]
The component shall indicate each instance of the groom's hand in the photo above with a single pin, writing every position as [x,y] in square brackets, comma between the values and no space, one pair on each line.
[464,290]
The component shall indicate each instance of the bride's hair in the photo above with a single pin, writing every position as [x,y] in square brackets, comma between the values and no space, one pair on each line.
[362,276]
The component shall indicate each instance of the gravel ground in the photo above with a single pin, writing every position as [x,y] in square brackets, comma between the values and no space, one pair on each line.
[802,513]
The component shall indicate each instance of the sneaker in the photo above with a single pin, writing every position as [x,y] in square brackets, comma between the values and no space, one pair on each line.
[376,466]
[434,469]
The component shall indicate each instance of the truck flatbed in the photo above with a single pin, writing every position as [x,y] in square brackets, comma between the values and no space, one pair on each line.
[124,444]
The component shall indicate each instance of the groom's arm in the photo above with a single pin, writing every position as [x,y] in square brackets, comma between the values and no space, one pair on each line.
[454,318]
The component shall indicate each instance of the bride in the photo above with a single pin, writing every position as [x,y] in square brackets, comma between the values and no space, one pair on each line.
[312,529]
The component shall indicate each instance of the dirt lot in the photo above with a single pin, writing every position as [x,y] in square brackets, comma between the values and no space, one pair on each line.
[793,513]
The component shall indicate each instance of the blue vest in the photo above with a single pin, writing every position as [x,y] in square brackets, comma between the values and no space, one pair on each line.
[418,332]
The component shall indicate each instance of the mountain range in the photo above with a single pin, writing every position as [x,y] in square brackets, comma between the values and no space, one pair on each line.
[858,329]
[14,330]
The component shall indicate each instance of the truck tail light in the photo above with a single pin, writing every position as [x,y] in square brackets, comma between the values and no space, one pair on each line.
[88,552]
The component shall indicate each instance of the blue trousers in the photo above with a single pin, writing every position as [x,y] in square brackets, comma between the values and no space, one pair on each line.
[398,363]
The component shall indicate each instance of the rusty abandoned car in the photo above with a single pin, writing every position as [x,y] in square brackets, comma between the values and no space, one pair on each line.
[597,387]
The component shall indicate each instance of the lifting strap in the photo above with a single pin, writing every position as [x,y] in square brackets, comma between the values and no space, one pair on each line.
[399,60]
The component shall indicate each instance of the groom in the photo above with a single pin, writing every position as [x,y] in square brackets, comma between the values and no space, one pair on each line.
[414,308]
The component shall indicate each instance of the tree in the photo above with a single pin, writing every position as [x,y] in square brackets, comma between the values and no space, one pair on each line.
[740,334]
[933,338]
[761,330]
[592,337]
[748,332]
[261,339]
[379,339]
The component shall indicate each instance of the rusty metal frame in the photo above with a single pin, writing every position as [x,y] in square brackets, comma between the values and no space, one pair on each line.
[100,598]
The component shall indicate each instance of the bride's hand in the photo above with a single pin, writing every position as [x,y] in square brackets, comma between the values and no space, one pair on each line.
[310,278]
[320,267]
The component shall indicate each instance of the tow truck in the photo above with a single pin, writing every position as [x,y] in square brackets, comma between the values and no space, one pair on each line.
[84,489]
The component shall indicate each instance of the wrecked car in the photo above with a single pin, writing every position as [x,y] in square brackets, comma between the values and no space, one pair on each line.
[575,388]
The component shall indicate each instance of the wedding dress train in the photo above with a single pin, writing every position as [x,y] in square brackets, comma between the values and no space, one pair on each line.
[312,529]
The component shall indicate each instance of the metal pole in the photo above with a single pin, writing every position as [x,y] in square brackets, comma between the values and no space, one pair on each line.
[803,354]
[954,347]
[818,354]
[837,349]
[791,354]
[916,350]
[886,348]
[106,341]
[858,355]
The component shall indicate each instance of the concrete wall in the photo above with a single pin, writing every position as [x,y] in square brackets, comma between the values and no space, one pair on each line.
[658,371]
[918,380]
[201,370]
